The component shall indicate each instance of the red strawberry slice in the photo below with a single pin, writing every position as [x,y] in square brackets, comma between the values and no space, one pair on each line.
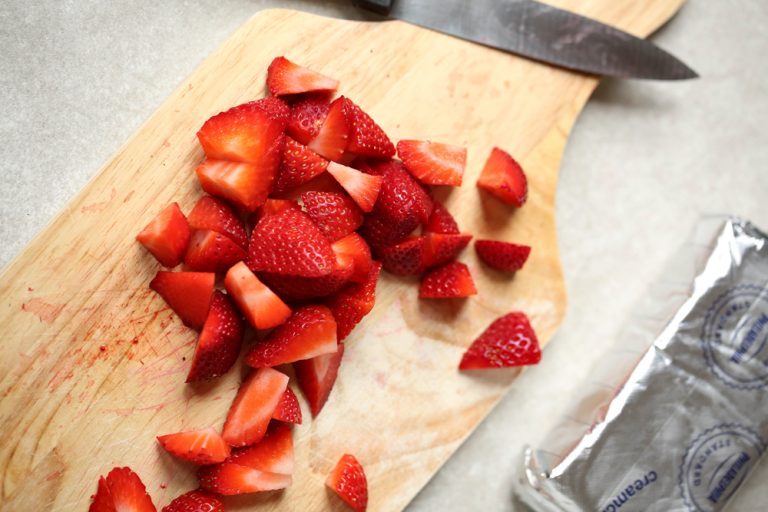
[363,188]
[215,215]
[331,140]
[355,247]
[310,332]
[187,293]
[350,305]
[195,501]
[261,306]
[273,454]
[253,406]
[433,163]
[335,214]
[299,164]
[299,288]
[503,177]
[229,479]
[366,138]
[508,341]
[502,256]
[167,236]
[441,249]
[122,491]
[407,258]
[290,243]
[316,377]
[210,251]
[273,207]
[196,446]
[441,221]
[347,479]
[307,116]
[275,108]
[285,77]
[288,409]
[451,281]
[219,343]
[244,185]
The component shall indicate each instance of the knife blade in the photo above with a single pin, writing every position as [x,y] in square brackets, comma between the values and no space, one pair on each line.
[540,32]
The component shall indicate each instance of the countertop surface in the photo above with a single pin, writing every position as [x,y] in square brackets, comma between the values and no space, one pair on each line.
[644,162]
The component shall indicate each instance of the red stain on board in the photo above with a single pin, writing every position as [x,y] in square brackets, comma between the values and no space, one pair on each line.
[166,144]
[54,475]
[103,348]
[129,196]
[97,207]
[381,378]
[45,311]
[30,289]
[163,485]
[61,375]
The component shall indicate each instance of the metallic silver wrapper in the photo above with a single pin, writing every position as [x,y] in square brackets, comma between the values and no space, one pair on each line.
[676,417]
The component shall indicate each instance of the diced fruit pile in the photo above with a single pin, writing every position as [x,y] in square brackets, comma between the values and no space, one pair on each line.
[306,205]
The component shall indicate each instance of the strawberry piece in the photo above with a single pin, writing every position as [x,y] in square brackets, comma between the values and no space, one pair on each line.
[244,185]
[451,281]
[210,251]
[229,479]
[347,479]
[215,215]
[441,221]
[363,188]
[316,377]
[187,293]
[275,108]
[273,454]
[195,501]
[310,332]
[335,214]
[219,342]
[288,408]
[366,138]
[508,341]
[350,305]
[167,236]
[253,406]
[261,306]
[355,247]
[300,288]
[441,249]
[331,140]
[122,491]
[503,177]
[321,183]
[290,243]
[273,207]
[196,446]
[307,116]
[433,163]
[407,258]
[299,164]
[285,77]
[502,256]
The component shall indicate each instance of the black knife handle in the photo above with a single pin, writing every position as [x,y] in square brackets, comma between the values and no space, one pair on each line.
[379,6]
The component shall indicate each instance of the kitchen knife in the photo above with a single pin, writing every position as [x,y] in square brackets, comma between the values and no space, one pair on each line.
[541,32]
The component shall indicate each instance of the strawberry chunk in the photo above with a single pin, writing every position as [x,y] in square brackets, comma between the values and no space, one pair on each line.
[502,256]
[366,138]
[503,177]
[316,377]
[275,108]
[347,480]
[407,258]
[261,306]
[433,163]
[215,215]
[451,281]
[285,77]
[350,305]
[441,221]
[300,288]
[219,342]
[299,164]
[167,236]
[195,501]
[122,490]
[355,247]
[288,408]
[363,188]
[307,116]
[273,454]
[441,249]
[332,138]
[335,214]
[253,406]
[244,185]
[310,332]
[508,341]
[196,446]
[187,293]
[210,251]
[229,479]
[273,207]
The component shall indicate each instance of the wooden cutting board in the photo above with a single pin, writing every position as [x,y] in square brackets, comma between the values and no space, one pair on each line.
[93,363]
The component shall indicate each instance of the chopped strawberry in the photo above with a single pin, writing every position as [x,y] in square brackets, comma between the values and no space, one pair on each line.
[310,332]
[366,138]
[275,108]
[261,306]
[299,164]
[331,140]
[285,77]
[441,249]
[408,258]
[288,409]
[363,188]
[196,446]
[307,116]
[195,501]
[210,251]
[253,406]
[316,377]
[355,247]
[502,256]
[347,479]
[215,215]
[167,236]
[273,454]
[244,185]
[300,288]
[451,281]
[229,479]
[122,491]
[335,214]
[433,163]
[503,177]
[441,221]
[321,183]
[219,343]
[350,305]
[187,293]
[273,207]
[508,341]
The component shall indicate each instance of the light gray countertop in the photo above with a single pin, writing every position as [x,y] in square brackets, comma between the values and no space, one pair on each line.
[645,160]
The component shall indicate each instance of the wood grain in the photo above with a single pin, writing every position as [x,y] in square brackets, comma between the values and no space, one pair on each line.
[93,363]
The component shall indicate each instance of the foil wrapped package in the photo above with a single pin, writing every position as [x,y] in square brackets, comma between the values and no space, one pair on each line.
[676,416]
